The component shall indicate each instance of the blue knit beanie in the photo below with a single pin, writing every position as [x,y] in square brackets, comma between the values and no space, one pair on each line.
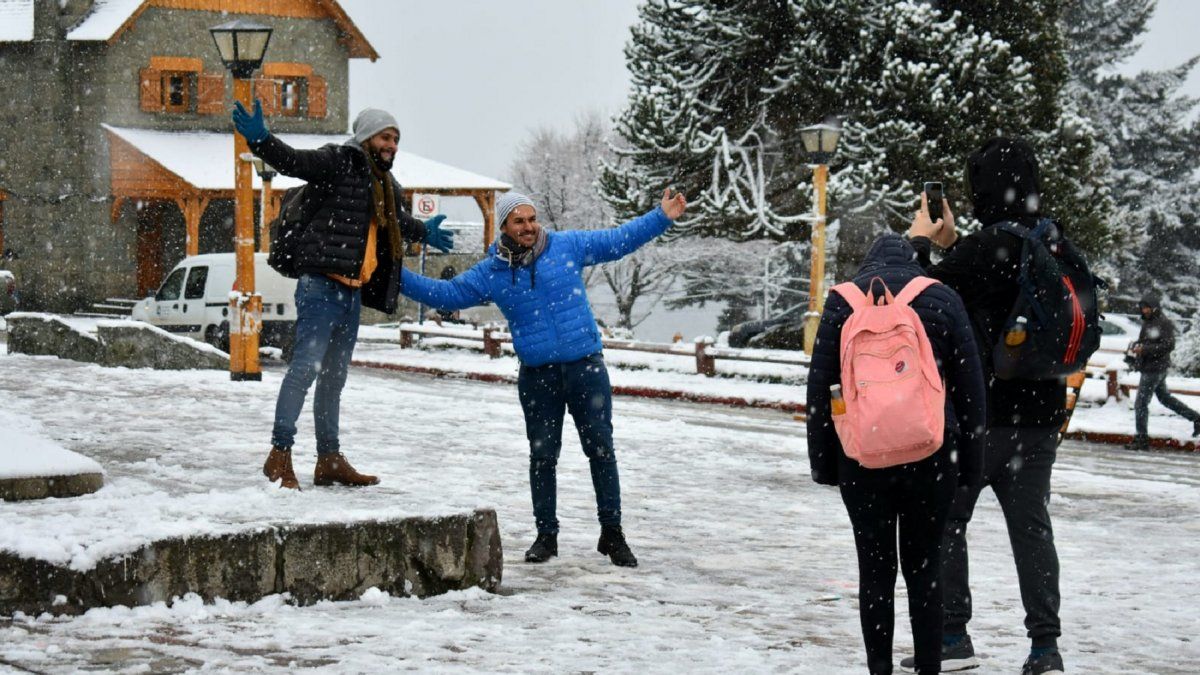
[509,201]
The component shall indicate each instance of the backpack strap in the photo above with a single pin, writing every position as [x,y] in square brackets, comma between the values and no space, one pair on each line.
[852,294]
[913,288]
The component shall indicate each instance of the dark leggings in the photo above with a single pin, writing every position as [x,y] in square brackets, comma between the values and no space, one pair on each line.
[916,496]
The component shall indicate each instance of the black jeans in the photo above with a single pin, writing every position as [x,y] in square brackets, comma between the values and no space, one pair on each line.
[916,497]
[581,387]
[1017,465]
[1155,384]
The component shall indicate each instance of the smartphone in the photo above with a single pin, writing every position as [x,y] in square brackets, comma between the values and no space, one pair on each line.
[934,196]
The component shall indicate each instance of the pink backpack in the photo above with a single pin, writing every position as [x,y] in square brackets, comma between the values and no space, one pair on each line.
[895,397]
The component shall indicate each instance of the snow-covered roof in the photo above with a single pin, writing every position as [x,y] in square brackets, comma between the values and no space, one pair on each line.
[203,159]
[108,17]
[16,20]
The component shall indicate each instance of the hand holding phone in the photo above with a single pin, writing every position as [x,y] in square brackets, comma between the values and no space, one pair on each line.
[933,197]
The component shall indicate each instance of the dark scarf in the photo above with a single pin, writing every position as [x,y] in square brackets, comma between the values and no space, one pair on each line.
[384,199]
[520,256]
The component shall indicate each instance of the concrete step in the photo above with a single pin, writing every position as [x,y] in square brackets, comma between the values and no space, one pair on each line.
[324,561]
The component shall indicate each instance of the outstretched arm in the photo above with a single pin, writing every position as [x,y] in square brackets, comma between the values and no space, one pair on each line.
[465,290]
[314,166]
[601,246]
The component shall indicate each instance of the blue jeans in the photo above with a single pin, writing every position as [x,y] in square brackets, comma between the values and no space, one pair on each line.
[1151,385]
[581,387]
[327,315]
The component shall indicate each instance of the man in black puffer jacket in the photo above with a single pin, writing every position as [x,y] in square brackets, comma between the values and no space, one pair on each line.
[351,254]
[1023,415]
[1152,356]
[915,496]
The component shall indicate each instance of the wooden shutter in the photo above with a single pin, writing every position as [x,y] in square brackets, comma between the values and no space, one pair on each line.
[150,90]
[268,91]
[318,97]
[210,90]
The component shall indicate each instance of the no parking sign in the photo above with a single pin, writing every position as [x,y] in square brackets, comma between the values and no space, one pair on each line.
[425,206]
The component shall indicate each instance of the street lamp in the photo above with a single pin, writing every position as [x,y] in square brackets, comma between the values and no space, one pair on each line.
[242,45]
[820,142]
[266,207]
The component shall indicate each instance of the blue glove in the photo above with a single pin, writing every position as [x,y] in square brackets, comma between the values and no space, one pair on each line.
[435,236]
[251,126]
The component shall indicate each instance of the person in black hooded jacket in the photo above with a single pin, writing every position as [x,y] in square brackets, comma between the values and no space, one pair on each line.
[1024,416]
[914,496]
[1152,356]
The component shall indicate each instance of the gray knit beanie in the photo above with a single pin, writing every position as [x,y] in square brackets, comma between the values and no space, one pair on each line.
[509,201]
[372,121]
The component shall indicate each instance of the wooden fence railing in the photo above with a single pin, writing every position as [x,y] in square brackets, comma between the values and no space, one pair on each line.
[702,351]
[706,354]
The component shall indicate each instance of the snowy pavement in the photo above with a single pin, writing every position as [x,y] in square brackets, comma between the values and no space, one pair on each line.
[746,565]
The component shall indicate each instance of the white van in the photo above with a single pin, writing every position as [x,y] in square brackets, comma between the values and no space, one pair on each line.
[194,301]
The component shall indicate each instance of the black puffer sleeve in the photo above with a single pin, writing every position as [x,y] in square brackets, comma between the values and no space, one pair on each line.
[824,447]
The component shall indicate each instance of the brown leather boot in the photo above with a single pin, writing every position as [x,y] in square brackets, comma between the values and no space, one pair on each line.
[279,468]
[333,468]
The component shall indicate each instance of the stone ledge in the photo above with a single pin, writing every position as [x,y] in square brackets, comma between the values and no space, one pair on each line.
[336,561]
[129,344]
[41,487]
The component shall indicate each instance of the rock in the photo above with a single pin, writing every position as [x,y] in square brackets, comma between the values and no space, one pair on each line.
[47,335]
[129,344]
[334,561]
[134,344]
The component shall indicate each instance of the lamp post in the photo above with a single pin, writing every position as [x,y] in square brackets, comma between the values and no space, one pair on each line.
[820,142]
[242,44]
[266,208]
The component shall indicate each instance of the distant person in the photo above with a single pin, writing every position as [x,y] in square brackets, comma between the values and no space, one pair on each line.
[1152,356]
[351,255]
[535,277]
[913,498]
[1024,415]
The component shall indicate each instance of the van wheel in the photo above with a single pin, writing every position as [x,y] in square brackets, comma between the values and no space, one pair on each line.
[218,336]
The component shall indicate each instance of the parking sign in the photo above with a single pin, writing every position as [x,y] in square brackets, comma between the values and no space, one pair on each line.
[425,206]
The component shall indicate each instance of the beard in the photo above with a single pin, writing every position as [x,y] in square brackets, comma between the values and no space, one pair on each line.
[385,164]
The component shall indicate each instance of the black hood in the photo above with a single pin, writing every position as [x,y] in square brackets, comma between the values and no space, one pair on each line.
[1003,181]
[889,251]
[1152,300]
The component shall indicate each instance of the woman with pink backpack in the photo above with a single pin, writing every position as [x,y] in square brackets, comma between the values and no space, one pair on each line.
[896,416]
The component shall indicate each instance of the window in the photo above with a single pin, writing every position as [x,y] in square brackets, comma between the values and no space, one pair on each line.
[171,287]
[176,88]
[291,90]
[194,289]
[289,97]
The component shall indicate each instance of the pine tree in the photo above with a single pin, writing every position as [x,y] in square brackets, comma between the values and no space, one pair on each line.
[1142,124]
[721,89]
[695,119]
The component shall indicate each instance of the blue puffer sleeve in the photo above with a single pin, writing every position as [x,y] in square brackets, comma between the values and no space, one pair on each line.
[465,290]
[601,246]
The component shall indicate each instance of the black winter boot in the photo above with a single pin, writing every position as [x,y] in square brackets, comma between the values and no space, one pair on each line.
[612,544]
[545,548]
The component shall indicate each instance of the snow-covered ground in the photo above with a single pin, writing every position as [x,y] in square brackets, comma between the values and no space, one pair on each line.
[25,451]
[746,565]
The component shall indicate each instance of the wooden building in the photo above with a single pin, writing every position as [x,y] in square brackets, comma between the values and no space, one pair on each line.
[115,140]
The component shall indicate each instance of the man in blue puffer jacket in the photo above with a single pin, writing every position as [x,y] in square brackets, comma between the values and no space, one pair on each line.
[535,277]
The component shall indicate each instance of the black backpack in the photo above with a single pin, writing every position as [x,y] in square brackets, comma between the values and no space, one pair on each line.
[298,206]
[1057,304]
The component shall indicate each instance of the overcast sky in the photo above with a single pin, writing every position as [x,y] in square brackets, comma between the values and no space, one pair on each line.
[468,79]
